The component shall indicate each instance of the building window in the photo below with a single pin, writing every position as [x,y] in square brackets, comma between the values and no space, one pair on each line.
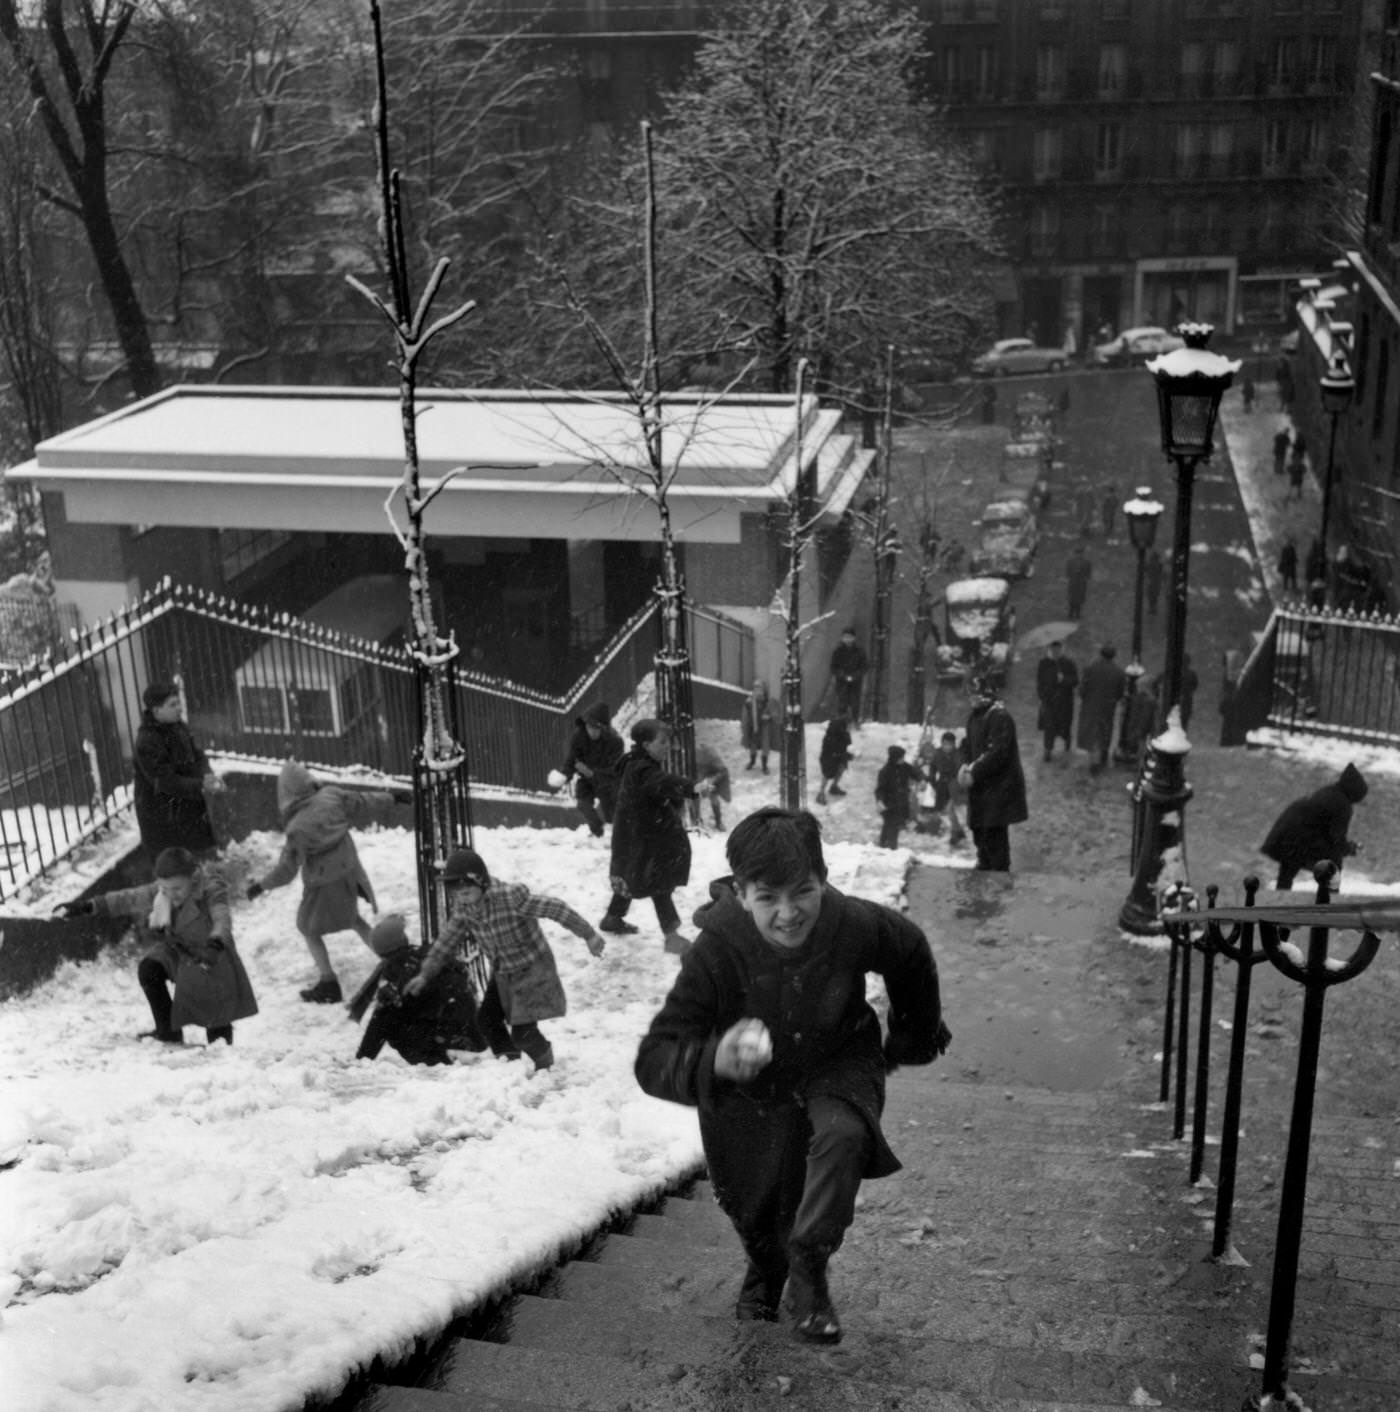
[1050,71]
[1315,144]
[1275,145]
[984,10]
[240,550]
[1178,226]
[1322,60]
[1047,151]
[1212,224]
[985,148]
[1226,66]
[1190,147]
[1222,149]
[986,71]
[1193,68]
[1284,63]
[1052,9]
[1113,69]
[1045,231]
[950,67]
[951,12]
[1103,230]
[1108,150]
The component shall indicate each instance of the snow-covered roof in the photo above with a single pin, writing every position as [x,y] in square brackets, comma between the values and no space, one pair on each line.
[551,465]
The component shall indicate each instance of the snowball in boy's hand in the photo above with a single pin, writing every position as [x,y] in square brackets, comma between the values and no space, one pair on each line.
[557,779]
[755,1043]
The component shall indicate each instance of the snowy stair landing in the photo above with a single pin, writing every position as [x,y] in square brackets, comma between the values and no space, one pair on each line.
[1017,1273]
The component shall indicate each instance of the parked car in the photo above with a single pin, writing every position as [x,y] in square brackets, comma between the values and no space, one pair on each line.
[1018,355]
[979,622]
[1009,538]
[1135,345]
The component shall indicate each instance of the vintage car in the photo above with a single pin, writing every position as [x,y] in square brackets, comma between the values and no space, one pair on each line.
[979,622]
[1018,355]
[1009,538]
[1135,345]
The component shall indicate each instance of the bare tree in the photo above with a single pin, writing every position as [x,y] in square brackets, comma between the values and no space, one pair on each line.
[813,199]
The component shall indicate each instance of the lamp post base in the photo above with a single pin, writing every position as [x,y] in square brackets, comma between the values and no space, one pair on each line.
[1162,794]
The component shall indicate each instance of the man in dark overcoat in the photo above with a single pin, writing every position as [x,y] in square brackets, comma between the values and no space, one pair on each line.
[848,667]
[1056,681]
[1315,827]
[173,778]
[1079,569]
[992,775]
[1103,686]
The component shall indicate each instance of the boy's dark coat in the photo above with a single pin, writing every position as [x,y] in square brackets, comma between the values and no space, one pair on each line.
[171,810]
[1315,827]
[650,850]
[826,1038]
[422,1028]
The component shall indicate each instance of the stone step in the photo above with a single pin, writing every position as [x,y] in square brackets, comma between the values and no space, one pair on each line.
[386,1398]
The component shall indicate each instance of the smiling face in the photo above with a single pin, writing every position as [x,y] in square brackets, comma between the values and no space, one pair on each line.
[786,914]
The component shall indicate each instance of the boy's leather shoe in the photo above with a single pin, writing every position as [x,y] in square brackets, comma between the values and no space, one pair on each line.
[809,1304]
[618,926]
[322,993]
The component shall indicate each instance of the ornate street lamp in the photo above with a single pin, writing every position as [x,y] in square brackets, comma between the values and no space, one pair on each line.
[1335,388]
[1190,383]
[1142,513]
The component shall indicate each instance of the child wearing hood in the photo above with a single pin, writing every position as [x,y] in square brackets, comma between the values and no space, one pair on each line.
[503,919]
[768,1033]
[317,819]
[186,910]
[1315,828]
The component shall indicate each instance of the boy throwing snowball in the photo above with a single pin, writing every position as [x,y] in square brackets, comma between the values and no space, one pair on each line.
[767,1032]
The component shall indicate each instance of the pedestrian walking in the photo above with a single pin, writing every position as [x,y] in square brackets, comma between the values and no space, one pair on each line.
[848,667]
[1297,471]
[1079,569]
[1153,572]
[893,786]
[187,914]
[712,779]
[1108,507]
[650,849]
[1314,828]
[173,778]
[1056,682]
[423,1027]
[595,755]
[1288,564]
[1247,392]
[316,822]
[834,757]
[1101,688]
[503,919]
[1283,376]
[758,721]
[992,775]
[1282,440]
[768,1033]
[1139,715]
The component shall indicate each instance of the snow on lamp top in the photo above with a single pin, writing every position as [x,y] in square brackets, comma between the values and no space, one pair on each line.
[1190,383]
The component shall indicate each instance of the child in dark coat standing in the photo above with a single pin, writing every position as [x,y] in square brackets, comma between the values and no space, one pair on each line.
[650,849]
[317,820]
[834,757]
[504,921]
[892,786]
[187,912]
[173,778]
[595,756]
[1315,828]
[768,1033]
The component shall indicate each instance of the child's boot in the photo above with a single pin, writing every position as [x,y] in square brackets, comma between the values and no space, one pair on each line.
[326,991]
[809,1302]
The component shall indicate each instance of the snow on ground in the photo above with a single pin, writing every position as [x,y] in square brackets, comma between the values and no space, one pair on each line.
[233,1230]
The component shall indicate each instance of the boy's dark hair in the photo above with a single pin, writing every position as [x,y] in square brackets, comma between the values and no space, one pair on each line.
[775,846]
[647,729]
[946,737]
[176,863]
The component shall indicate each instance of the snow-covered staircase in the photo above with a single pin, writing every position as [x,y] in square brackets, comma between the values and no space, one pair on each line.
[1030,1256]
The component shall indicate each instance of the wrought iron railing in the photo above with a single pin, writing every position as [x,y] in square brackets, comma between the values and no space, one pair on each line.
[263,684]
[1324,672]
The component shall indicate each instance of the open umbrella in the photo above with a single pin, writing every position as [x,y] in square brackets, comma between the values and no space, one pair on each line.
[1043,634]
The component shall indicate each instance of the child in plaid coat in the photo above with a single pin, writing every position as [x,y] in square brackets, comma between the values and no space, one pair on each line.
[503,919]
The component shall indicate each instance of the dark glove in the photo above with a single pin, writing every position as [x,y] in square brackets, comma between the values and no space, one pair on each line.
[255,890]
[902,1048]
[75,909]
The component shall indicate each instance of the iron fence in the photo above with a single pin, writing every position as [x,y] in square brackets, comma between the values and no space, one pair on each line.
[263,684]
[1324,672]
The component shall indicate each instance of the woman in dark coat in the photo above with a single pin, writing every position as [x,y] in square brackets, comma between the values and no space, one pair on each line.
[172,778]
[650,849]
[992,776]
[790,1121]
[1315,827]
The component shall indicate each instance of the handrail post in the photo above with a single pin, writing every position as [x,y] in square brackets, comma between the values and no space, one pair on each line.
[1206,945]
[1183,1033]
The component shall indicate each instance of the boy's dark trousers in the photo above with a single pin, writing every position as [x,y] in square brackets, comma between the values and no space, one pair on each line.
[511,1041]
[666,915]
[890,825]
[595,805]
[993,849]
[793,1196]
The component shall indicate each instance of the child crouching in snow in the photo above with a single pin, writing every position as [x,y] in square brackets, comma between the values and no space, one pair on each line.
[186,909]
[317,820]
[503,919]
[768,1033]
[421,1027]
